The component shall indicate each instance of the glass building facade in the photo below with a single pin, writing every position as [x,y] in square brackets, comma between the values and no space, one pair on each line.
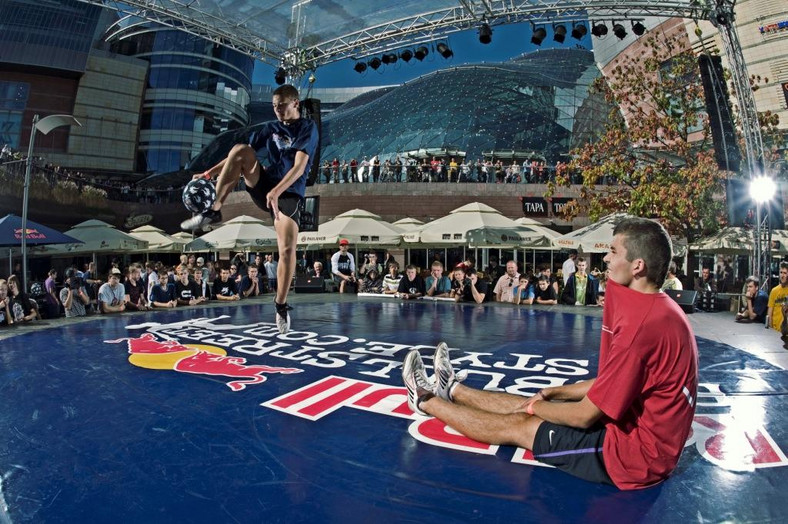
[537,103]
[196,89]
[39,41]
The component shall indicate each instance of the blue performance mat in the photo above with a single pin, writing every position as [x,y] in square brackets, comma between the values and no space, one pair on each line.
[209,415]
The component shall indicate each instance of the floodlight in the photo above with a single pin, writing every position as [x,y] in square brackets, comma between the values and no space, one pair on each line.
[579,31]
[444,50]
[539,34]
[280,76]
[619,31]
[762,189]
[559,33]
[638,28]
[599,30]
[485,33]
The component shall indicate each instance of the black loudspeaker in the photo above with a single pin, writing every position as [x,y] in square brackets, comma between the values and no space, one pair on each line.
[685,299]
[305,284]
[310,108]
[310,214]
[718,107]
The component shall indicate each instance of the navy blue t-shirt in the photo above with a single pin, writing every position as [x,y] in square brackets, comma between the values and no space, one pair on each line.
[276,145]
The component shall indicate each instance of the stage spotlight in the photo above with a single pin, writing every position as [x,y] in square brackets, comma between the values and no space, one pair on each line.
[485,33]
[638,28]
[388,58]
[360,67]
[538,36]
[722,19]
[421,52]
[559,33]
[579,31]
[444,50]
[619,31]
[280,76]
[374,63]
[406,55]
[599,30]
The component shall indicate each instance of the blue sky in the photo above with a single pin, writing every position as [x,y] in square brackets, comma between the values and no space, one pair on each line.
[508,41]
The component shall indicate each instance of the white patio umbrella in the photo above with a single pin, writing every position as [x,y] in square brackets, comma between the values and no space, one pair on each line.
[158,241]
[594,238]
[453,228]
[242,233]
[100,237]
[408,224]
[737,241]
[359,227]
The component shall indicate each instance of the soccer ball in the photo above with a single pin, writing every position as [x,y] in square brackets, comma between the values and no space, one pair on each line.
[199,195]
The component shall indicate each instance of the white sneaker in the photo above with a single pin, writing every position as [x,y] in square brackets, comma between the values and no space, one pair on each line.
[202,220]
[445,377]
[416,382]
[282,317]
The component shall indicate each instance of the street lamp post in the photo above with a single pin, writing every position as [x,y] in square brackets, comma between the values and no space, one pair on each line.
[762,190]
[45,125]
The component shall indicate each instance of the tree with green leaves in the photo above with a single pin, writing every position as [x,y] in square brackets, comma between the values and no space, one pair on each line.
[657,160]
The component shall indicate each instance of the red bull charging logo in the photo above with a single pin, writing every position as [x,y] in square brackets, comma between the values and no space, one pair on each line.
[148,352]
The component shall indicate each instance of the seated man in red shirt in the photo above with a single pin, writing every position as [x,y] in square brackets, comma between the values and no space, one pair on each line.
[626,427]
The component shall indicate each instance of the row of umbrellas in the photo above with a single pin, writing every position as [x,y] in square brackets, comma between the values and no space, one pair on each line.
[475,225]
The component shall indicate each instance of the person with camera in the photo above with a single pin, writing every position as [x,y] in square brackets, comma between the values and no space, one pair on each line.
[73,296]
[468,287]
[370,264]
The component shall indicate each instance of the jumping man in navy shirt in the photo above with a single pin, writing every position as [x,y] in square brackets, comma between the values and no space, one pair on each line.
[274,165]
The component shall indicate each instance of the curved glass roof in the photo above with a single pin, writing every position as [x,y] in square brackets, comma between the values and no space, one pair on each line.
[537,103]
[303,34]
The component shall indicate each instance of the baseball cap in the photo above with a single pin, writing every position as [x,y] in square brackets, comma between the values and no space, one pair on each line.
[200,260]
[115,271]
[343,242]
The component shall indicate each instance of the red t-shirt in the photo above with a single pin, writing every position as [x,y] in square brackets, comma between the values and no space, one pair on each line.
[646,386]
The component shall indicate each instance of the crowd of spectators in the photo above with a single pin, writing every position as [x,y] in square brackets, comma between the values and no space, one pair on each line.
[117,188]
[449,169]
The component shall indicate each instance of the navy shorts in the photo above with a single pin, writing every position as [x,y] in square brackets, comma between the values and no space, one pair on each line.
[290,204]
[576,451]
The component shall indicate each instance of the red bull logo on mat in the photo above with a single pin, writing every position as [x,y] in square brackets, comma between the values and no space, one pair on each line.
[723,433]
[146,351]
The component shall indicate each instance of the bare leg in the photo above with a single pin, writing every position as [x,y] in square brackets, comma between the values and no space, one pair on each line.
[490,401]
[518,429]
[241,160]
[286,236]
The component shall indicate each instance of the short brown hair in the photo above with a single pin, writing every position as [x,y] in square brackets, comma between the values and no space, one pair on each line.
[286,91]
[647,239]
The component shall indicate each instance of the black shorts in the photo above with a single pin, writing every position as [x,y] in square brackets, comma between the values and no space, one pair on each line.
[290,204]
[576,451]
